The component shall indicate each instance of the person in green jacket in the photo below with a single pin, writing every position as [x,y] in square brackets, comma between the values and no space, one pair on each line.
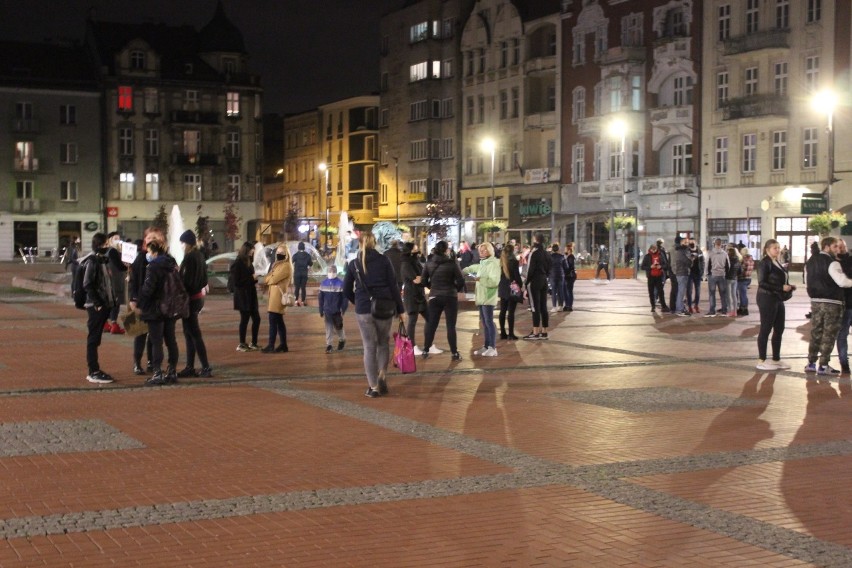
[487,276]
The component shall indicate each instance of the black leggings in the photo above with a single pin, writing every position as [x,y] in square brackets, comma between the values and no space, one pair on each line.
[411,325]
[255,325]
[538,302]
[159,331]
[139,343]
[300,284]
[277,328]
[507,311]
[449,306]
[772,318]
[192,335]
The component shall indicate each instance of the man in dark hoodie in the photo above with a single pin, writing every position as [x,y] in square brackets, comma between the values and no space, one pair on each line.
[100,300]
[301,263]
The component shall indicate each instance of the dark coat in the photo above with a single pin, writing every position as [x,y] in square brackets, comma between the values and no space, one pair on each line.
[442,276]
[503,291]
[152,290]
[137,274]
[770,278]
[539,267]
[414,297]
[245,289]
[379,281]
[301,263]
[395,256]
[193,272]
[558,267]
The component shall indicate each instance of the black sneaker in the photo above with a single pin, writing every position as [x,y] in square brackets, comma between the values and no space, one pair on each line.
[372,393]
[328,349]
[138,370]
[205,372]
[383,387]
[425,354]
[281,349]
[171,376]
[543,336]
[456,356]
[99,377]
[149,367]
[157,379]
[187,372]
[253,347]
[341,344]
[268,349]
[531,336]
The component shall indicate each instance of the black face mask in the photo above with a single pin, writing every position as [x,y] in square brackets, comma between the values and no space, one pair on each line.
[280,256]
[103,250]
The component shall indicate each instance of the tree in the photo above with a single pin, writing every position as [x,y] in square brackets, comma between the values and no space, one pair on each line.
[439,215]
[161,220]
[290,226]
[232,219]
[202,223]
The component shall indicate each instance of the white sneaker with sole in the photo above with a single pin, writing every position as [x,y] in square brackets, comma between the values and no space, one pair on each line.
[417,351]
[435,351]
[490,352]
[766,366]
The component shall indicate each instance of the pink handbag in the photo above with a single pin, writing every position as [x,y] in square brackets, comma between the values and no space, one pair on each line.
[403,352]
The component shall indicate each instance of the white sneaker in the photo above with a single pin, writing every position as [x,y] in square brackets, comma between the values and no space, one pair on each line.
[554,310]
[480,351]
[781,366]
[490,352]
[435,351]
[417,351]
[766,366]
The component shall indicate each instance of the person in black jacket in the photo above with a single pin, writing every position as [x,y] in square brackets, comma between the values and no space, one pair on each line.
[245,296]
[100,299]
[370,275]
[414,295]
[301,263]
[570,277]
[160,327]
[193,272]
[845,260]
[444,279]
[558,268]
[771,285]
[137,279]
[119,273]
[509,272]
[537,274]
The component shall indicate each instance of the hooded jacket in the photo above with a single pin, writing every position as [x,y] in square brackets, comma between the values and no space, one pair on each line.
[152,289]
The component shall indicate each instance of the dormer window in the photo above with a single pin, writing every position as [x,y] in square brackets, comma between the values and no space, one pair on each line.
[137,60]
[229,65]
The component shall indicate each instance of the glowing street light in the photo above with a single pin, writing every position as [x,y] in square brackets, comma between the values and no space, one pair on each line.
[488,145]
[826,101]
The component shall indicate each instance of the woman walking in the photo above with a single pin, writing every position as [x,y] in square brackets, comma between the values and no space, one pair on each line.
[772,284]
[244,282]
[278,281]
[444,279]
[570,277]
[370,275]
[487,276]
[414,296]
[193,272]
[537,274]
[731,280]
[509,272]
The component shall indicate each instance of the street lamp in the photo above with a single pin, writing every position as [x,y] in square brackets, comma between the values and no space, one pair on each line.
[488,145]
[323,167]
[826,101]
[618,130]
[396,180]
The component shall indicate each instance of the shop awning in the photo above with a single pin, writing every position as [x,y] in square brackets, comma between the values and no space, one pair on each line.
[543,223]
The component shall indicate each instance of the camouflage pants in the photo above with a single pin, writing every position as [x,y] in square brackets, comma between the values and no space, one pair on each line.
[825,320]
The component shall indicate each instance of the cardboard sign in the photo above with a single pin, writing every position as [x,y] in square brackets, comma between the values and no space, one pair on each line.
[128,252]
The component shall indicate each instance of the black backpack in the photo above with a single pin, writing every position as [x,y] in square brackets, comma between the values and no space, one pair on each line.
[79,290]
[174,301]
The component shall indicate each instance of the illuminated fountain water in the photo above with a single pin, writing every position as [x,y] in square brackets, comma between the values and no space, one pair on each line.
[176,229]
[345,233]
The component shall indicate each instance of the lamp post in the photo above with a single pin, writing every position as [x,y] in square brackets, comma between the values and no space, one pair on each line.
[618,130]
[826,101]
[488,145]
[396,181]
[323,167]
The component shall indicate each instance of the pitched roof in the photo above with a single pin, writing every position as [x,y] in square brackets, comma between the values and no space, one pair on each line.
[46,66]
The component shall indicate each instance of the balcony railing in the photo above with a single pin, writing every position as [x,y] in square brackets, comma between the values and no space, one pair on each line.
[26,164]
[26,205]
[756,105]
[664,185]
[671,115]
[194,117]
[195,159]
[620,54]
[769,39]
[538,64]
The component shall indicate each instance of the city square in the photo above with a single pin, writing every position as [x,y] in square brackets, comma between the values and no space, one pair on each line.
[626,439]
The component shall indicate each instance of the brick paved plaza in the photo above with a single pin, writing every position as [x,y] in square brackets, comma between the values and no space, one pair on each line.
[624,440]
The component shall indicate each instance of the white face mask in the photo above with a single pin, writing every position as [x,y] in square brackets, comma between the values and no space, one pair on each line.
[332,274]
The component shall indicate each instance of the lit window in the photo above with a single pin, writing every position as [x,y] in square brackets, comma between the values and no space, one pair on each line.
[152,187]
[125,98]
[126,182]
[233,104]
[192,187]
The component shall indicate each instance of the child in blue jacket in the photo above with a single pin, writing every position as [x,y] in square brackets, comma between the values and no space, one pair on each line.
[332,306]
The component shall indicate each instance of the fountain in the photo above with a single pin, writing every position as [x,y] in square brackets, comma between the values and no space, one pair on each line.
[262,260]
[345,233]
[176,229]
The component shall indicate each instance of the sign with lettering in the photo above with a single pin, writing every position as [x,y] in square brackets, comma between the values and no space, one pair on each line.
[416,197]
[534,208]
[536,175]
[813,205]
[112,211]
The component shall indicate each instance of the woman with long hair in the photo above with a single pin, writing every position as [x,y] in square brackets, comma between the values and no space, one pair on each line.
[487,276]
[537,275]
[414,296]
[245,296]
[278,281]
[772,282]
[570,277]
[509,272]
[371,275]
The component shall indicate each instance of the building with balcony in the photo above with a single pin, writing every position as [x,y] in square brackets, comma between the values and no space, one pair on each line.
[765,144]
[630,121]
[182,124]
[50,185]
[420,110]
[349,147]
[511,82]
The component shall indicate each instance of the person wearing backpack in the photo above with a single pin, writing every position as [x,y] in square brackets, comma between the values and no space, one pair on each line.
[99,300]
[141,343]
[193,272]
[161,327]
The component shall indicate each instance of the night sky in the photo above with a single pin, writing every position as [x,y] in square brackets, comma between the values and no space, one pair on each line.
[308,52]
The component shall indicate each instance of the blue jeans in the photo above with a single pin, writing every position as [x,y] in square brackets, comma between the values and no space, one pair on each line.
[714,282]
[843,338]
[569,292]
[693,289]
[742,292]
[557,288]
[486,314]
[681,292]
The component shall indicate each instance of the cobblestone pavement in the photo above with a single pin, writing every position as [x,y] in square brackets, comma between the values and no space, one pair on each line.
[627,439]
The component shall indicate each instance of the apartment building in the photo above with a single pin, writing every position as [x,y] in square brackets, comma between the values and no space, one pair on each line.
[420,109]
[183,124]
[50,185]
[303,183]
[769,154]
[510,115]
[630,71]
